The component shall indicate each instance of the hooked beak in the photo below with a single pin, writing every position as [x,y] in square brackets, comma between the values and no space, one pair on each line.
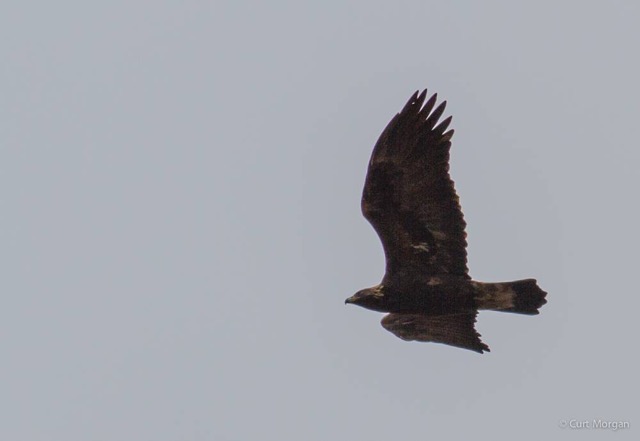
[349,300]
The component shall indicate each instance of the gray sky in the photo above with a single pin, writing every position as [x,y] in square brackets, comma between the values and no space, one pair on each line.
[180,218]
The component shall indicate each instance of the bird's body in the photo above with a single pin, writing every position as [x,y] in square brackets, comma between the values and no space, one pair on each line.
[411,202]
[430,296]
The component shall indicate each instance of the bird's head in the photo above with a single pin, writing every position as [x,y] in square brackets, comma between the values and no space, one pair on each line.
[370,298]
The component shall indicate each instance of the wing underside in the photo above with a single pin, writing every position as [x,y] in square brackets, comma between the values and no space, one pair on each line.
[453,330]
[409,197]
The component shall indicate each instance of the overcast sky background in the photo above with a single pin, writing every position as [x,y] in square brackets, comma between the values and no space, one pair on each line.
[180,222]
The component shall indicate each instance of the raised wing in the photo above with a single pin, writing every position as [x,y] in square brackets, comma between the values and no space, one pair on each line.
[409,197]
[453,330]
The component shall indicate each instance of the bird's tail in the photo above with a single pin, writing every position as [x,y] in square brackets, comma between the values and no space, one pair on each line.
[521,296]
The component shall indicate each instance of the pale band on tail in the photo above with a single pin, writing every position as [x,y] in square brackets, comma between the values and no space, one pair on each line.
[520,296]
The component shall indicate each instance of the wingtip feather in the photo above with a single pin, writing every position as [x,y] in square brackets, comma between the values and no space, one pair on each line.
[421,98]
[440,128]
[447,136]
[426,109]
[411,102]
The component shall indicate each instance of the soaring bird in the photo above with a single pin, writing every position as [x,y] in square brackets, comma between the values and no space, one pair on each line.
[410,200]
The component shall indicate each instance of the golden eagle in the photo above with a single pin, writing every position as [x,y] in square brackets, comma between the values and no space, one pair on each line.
[410,201]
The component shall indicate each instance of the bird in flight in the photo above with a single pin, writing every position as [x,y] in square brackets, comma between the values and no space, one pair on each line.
[410,200]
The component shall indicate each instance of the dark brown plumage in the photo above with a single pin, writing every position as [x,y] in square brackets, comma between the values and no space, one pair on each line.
[410,200]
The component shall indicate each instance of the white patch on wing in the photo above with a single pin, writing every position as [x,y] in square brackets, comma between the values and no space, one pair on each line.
[439,235]
[422,246]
